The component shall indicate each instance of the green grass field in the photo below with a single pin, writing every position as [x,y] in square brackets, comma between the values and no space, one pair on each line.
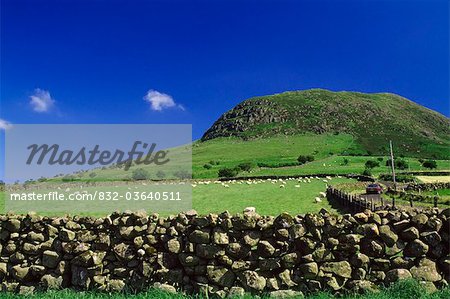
[400,290]
[268,197]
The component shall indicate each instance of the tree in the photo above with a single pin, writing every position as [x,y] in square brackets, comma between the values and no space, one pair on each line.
[139,174]
[227,172]
[371,164]
[430,164]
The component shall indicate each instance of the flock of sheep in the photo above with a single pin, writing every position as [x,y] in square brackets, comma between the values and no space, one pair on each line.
[281,183]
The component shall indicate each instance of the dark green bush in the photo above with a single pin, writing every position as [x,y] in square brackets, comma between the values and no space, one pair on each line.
[207,166]
[139,174]
[371,164]
[160,174]
[228,172]
[246,166]
[277,165]
[398,163]
[182,174]
[367,172]
[68,178]
[302,159]
[430,164]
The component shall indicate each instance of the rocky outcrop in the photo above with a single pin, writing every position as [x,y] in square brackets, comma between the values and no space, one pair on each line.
[224,254]
[245,116]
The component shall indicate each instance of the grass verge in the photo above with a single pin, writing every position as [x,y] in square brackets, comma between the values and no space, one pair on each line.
[400,290]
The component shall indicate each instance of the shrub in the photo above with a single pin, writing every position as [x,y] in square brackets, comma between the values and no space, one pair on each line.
[401,164]
[430,164]
[212,162]
[345,161]
[139,174]
[398,163]
[371,164]
[92,175]
[207,166]
[68,178]
[277,165]
[160,174]
[367,172]
[182,174]
[302,159]
[227,172]
[246,166]
[380,159]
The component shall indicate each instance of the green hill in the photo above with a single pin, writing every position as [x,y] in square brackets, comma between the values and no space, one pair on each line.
[371,119]
[341,130]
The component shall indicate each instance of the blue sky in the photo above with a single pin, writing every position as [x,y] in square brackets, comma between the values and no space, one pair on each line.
[190,61]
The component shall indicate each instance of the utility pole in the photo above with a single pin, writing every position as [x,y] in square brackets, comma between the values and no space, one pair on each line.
[392,165]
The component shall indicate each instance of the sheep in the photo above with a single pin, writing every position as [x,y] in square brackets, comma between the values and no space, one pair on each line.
[282,186]
[317,200]
[250,210]
[297,186]
[323,194]
[193,185]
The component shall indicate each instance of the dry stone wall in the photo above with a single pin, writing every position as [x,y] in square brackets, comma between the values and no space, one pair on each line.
[224,254]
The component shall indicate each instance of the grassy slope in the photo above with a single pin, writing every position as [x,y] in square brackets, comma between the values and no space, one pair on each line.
[231,151]
[400,290]
[268,198]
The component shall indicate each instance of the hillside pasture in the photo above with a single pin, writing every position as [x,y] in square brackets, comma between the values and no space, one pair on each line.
[269,197]
[336,165]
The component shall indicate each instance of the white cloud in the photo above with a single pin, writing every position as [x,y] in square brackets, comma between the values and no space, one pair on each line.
[5,125]
[41,101]
[159,101]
